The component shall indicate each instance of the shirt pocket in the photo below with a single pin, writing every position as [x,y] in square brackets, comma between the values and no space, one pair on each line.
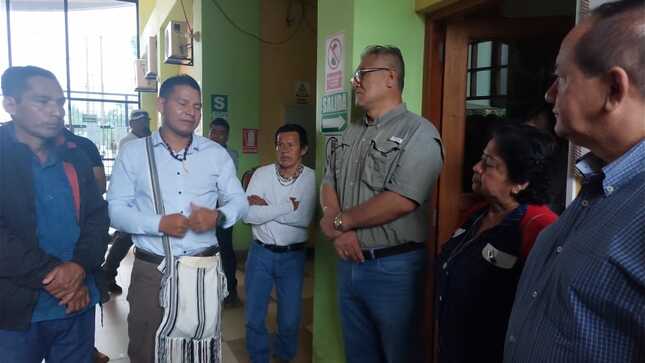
[498,258]
[380,162]
[203,185]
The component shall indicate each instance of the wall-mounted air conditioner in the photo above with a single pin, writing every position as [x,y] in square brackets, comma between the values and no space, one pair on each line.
[142,84]
[178,44]
[151,58]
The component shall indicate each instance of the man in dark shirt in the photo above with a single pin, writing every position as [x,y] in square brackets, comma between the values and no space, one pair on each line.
[53,228]
[70,140]
[581,297]
[219,132]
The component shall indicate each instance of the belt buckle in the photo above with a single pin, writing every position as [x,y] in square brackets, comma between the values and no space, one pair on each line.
[371,253]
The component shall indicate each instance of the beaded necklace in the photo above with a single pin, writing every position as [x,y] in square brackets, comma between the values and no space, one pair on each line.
[179,156]
[288,180]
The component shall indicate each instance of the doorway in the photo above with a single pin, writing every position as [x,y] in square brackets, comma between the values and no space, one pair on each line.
[495,71]
[485,66]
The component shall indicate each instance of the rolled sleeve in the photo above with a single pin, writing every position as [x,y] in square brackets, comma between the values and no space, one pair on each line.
[418,167]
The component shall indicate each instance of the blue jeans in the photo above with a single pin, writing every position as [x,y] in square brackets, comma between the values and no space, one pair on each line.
[265,268]
[381,308]
[60,340]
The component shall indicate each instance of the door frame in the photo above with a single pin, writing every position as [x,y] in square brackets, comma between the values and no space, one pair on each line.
[458,34]
[448,34]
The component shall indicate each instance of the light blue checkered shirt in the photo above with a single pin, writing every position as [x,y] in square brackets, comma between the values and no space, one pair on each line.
[581,297]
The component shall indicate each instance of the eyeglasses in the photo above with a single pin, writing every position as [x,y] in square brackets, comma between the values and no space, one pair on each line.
[361,72]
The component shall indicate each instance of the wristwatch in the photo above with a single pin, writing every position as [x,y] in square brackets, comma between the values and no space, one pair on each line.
[338,222]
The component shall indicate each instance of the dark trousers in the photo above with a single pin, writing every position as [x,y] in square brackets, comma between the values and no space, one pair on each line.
[145,312]
[56,341]
[120,247]
[229,263]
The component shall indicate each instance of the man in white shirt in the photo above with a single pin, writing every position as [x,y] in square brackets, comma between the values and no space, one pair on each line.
[282,201]
[139,127]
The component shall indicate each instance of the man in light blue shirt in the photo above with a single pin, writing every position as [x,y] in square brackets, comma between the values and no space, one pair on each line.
[195,175]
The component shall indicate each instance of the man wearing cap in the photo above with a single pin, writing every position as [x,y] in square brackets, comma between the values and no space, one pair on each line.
[122,242]
[139,128]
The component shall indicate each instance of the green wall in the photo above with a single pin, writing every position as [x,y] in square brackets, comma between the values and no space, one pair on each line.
[334,16]
[225,62]
[393,22]
[364,22]
[231,66]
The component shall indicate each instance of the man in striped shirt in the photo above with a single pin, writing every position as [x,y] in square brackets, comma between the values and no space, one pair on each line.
[581,297]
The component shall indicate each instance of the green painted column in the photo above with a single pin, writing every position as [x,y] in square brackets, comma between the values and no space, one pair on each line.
[363,22]
[231,67]
[226,62]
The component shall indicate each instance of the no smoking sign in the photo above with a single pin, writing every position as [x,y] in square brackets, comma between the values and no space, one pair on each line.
[334,62]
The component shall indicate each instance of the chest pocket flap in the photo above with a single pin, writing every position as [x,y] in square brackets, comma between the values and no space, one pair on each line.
[498,258]
[380,162]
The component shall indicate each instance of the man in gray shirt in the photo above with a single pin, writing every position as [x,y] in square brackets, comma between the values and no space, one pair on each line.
[374,199]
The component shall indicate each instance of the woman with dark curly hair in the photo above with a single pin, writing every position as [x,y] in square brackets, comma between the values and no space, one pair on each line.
[480,266]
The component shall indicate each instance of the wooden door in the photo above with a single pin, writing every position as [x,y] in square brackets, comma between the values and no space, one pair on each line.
[449,36]
[538,40]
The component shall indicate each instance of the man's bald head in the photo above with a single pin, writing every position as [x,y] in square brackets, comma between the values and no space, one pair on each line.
[615,38]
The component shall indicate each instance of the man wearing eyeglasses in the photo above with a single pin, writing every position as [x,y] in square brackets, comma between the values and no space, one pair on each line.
[374,198]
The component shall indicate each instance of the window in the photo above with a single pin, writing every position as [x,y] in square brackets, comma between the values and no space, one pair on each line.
[38,36]
[90,45]
[487,83]
[103,50]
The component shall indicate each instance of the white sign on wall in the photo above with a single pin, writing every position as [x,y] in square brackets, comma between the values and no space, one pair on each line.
[334,59]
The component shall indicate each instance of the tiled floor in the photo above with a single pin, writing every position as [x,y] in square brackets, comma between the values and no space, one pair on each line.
[112,337]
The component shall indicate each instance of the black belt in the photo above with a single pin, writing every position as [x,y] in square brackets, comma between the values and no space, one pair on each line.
[150,257]
[391,251]
[282,249]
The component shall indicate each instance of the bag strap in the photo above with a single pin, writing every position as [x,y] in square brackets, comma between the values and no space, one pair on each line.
[159,208]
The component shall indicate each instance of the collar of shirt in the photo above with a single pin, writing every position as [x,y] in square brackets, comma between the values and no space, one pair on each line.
[194,146]
[52,155]
[511,218]
[615,174]
[12,131]
[388,116]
